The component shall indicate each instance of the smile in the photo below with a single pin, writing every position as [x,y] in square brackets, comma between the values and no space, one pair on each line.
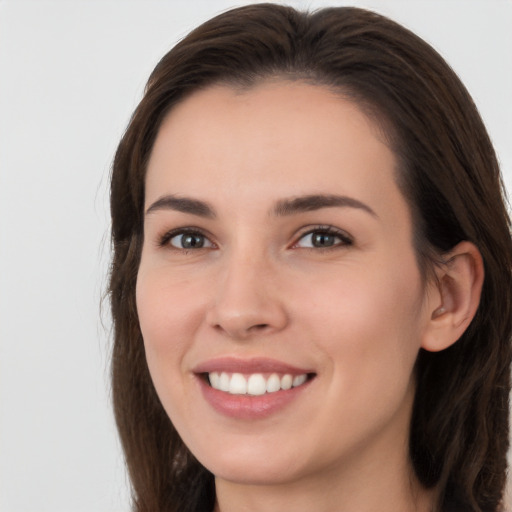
[251,389]
[254,384]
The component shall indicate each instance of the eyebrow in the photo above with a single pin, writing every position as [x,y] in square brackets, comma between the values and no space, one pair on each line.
[314,202]
[283,207]
[183,204]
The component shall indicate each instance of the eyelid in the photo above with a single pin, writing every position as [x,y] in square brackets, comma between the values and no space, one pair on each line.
[164,239]
[346,239]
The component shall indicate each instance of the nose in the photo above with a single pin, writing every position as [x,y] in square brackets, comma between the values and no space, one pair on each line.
[247,301]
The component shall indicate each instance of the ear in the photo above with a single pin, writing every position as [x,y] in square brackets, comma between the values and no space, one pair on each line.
[454,297]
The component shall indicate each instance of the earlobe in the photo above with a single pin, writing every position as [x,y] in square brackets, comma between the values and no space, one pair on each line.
[456,298]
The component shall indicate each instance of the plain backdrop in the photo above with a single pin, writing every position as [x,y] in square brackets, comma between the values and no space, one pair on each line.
[71,73]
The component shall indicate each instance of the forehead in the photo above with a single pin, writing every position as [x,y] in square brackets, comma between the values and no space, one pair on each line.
[300,138]
[305,110]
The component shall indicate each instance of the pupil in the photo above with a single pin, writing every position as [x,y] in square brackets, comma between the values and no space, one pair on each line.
[323,240]
[192,241]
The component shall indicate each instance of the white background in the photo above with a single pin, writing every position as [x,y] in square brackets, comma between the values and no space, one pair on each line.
[71,73]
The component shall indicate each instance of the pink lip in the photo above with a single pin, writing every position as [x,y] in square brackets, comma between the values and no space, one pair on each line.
[247,407]
[246,366]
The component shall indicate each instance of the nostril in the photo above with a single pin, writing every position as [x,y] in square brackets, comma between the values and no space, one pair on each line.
[252,328]
[259,327]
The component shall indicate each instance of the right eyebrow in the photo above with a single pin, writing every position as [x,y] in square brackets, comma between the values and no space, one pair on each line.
[314,202]
[183,204]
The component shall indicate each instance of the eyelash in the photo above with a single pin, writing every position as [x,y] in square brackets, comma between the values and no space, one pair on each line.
[165,239]
[346,240]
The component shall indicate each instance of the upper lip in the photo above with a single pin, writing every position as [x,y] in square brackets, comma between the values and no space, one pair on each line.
[252,365]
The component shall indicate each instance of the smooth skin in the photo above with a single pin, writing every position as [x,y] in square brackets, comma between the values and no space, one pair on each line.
[334,288]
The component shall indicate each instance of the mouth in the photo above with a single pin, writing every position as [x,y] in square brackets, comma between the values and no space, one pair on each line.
[255,384]
[251,388]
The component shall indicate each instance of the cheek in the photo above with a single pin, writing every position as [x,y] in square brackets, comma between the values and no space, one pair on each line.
[167,316]
[369,323]
[166,308]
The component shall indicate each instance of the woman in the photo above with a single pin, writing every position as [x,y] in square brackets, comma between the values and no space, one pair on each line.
[311,282]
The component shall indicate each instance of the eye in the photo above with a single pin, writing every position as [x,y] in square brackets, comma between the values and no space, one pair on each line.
[323,238]
[186,240]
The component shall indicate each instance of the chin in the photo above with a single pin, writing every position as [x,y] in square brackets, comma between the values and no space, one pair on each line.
[258,469]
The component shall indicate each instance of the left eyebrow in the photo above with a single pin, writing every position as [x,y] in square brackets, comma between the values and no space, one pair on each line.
[314,202]
[183,204]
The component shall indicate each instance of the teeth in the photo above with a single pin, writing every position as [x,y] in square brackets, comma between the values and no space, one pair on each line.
[224,382]
[255,384]
[286,382]
[299,380]
[238,384]
[273,383]
[215,380]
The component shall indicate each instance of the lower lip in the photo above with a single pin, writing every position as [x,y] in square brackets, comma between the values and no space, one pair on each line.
[249,407]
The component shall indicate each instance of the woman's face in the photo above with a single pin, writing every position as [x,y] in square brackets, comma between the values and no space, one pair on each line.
[278,252]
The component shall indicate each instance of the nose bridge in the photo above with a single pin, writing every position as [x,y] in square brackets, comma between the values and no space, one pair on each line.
[246,300]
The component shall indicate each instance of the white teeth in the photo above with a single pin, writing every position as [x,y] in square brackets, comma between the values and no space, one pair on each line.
[215,380]
[238,384]
[286,381]
[273,383]
[224,382]
[254,384]
[299,379]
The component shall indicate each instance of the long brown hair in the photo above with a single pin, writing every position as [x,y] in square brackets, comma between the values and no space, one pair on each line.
[449,174]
